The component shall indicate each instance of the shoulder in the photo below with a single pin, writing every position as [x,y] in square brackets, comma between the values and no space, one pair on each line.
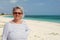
[7,24]
[24,21]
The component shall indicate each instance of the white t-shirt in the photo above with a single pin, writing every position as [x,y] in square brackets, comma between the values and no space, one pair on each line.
[13,31]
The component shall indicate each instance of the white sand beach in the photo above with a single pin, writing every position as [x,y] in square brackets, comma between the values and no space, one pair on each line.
[40,30]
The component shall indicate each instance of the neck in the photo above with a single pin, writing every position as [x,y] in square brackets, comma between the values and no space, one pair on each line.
[17,21]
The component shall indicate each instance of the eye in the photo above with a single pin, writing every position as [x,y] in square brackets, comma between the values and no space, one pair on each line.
[17,13]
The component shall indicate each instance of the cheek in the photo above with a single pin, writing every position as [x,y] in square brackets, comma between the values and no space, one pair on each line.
[18,16]
[14,15]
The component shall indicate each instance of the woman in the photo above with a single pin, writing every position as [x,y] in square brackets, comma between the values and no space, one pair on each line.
[17,28]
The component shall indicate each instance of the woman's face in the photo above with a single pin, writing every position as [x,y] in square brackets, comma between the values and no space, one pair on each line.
[17,13]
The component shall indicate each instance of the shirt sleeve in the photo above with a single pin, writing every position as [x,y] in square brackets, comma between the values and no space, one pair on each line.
[5,32]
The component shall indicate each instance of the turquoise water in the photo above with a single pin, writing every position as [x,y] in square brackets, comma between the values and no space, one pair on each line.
[50,18]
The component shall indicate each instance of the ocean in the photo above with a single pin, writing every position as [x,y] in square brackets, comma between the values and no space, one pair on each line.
[49,18]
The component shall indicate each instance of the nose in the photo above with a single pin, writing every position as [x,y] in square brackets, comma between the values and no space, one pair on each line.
[17,14]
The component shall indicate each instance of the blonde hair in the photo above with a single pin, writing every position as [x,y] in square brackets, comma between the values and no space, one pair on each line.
[19,7]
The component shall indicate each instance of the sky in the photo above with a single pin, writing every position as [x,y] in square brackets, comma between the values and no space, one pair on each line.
[32,7]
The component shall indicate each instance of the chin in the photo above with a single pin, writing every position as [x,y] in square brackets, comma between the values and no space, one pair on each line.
[18,18]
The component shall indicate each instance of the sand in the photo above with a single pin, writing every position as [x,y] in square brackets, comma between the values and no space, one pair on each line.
[40,30]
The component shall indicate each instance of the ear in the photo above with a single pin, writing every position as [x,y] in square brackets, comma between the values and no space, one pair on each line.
[23,16]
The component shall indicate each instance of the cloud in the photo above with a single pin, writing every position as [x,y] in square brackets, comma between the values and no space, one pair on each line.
[39,4]
[1,8]
[13,1]
[25,0]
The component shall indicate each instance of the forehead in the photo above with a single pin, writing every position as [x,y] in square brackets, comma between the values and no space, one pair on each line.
[17,10]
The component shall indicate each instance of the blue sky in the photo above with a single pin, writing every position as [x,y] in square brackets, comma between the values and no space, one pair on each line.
[32,7]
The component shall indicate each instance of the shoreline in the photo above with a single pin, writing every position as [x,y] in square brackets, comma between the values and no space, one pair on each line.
[35,19]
